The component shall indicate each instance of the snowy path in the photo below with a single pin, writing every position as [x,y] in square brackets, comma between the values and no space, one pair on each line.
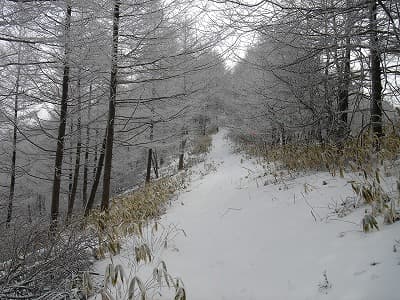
[246,240]
[261,242]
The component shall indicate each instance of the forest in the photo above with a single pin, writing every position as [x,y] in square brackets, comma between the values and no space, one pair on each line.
[112,111]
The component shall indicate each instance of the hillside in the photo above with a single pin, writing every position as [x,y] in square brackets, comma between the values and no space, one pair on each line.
[248,237]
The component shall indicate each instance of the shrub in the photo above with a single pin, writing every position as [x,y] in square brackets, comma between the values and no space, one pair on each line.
[202,145]
[36,265]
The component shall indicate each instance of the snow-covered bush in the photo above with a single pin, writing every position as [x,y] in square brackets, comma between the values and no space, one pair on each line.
[37,265]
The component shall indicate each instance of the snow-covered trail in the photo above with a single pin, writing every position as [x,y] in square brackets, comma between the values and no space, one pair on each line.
[250,241]
[250,237]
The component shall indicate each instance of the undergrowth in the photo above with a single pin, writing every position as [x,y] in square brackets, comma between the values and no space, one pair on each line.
[202,145]
[122,282]
[130,212]
[59,268]
[355,153]
[135,215]
[357,158]
[35,265]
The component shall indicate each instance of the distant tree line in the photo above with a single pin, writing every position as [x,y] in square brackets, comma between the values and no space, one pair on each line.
[94,94]
[322,70]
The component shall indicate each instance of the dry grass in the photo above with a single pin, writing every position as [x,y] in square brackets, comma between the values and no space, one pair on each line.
[135,215]
[33,265]
[129,213]
[202,145]
[354,157]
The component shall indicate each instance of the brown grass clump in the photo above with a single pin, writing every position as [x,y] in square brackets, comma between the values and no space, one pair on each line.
[135,215]
[357,156]
[130,212]
[202,145]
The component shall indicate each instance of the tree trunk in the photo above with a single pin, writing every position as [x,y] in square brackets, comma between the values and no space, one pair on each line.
[14,142]
[151,153]
[184,130]
[327,92]
[55,197]
[86,163]
[155,164]
[180,164]
[343,95]
[343,106]
[95,155]
[182,149]
[376,84]
[111,112]
[328,99]
[181,154]
[71,154]
[148,172]
[71,201]
[75,178]
[96,179]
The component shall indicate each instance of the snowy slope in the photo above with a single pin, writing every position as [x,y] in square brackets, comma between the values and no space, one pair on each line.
[247,240]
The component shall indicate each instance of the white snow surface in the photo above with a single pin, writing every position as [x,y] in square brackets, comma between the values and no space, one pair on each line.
[249,240]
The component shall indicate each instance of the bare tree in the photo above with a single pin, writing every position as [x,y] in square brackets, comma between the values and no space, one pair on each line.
[111,110]
[376,81]
[55,199]
[72,197]
[14,138]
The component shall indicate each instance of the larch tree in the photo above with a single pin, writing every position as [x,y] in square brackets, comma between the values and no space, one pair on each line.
[111,108]
[55,198]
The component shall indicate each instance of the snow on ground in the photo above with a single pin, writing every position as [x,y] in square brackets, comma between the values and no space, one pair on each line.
[247,240]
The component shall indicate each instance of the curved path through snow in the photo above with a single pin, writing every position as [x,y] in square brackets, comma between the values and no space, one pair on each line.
[247,240]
